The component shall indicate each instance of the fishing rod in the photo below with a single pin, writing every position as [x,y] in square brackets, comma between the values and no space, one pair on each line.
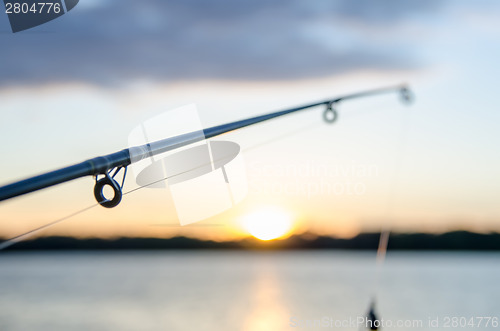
[109,165]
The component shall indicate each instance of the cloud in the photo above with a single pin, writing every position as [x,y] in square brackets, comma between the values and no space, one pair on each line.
[115,41]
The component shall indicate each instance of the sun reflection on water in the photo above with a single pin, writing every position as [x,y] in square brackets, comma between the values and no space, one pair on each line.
[268,311]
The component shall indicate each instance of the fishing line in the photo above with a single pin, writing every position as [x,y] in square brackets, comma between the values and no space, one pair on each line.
[303,129]
[105,164]
[389,212]
[390,202]
[21,237]
[101,165]
[247,149]
[284,136]
[9,242]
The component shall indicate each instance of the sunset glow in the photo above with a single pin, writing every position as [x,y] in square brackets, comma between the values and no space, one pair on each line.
[267,223]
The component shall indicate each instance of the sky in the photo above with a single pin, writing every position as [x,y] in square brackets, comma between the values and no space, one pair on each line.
[75,87]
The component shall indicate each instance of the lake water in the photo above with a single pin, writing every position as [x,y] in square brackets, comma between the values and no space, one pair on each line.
[240,290]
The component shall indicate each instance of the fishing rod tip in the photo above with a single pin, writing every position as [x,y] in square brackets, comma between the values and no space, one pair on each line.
[406,94]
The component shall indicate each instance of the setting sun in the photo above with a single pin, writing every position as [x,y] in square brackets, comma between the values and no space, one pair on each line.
[268,223]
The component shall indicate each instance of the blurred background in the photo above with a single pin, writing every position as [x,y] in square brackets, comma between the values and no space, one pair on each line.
[75,87]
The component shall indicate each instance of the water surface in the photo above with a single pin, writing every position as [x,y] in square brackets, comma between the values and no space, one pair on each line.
[240,290]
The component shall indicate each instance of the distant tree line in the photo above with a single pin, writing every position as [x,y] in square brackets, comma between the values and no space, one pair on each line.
[458,240]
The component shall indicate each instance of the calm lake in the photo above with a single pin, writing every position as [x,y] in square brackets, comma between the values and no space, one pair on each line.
[241,290]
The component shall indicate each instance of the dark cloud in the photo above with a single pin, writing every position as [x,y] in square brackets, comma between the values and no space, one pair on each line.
[386,11]
[120,40]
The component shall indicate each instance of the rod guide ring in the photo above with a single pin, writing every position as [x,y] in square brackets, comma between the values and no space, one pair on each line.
[99,194]
[330,115]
